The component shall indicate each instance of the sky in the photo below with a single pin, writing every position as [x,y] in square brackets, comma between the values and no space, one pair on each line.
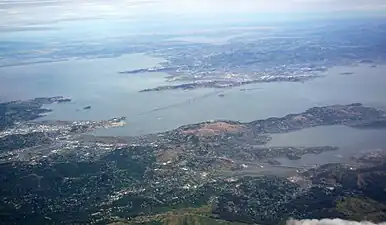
[25,13]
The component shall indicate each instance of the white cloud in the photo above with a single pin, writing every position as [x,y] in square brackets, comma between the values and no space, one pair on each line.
[330,222]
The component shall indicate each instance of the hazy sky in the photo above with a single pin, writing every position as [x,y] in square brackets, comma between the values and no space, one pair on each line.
[21,12]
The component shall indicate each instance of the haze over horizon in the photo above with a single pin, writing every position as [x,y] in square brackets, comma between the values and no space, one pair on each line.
[32,12]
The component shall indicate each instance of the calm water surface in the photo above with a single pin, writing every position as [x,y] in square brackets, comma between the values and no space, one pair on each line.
[351,142]
[96,82]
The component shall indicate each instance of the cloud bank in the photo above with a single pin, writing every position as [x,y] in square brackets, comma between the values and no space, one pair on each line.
[330,222]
